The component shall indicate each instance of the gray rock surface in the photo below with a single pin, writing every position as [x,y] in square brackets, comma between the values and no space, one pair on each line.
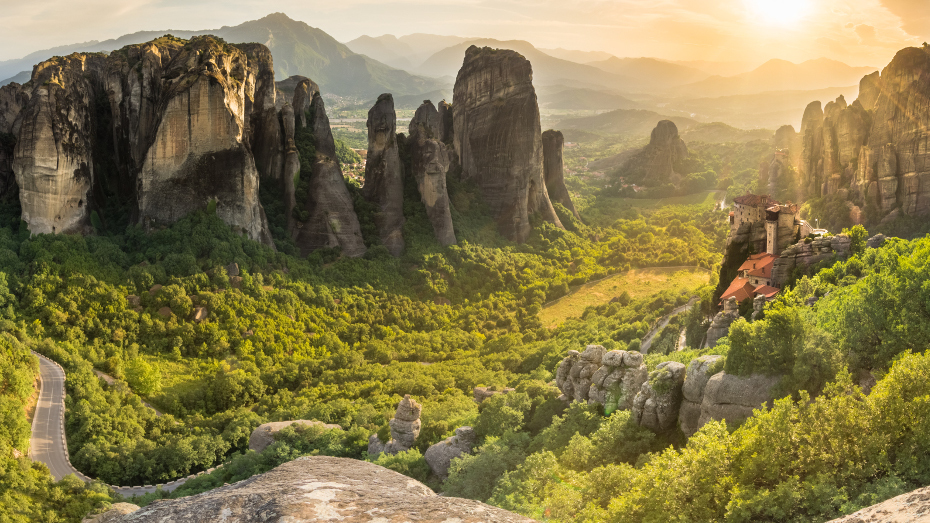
[318,489]
[913,507]
[498,138]
[658,401]
[430,159]
[720,325]
[811,147]
[332,221]
[696,378]
[733,398]
[611,379]
[553,170]
[405,427]
[113,514]
[665,150]
[264,434]
[303,96]
[807,254]
[384,175]
[876,241]
[439,456]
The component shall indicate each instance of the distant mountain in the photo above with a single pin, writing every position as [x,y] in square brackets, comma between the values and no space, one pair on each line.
[297,48]
[584,100]
[780,75]
[719,132]
[20,78]
[581,57]
[716,68]
[625,121]
[547,70]
[406,52]
[651,73]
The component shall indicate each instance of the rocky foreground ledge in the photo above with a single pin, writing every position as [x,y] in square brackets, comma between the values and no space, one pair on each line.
[319,488]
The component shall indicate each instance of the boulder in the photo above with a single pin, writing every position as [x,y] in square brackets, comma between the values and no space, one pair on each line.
[112,514]
[264,434]
[573,376]
[384,176]
[720,326]
[733,398]
[876,241]
[553,170]
[657,404]
[430,160]
[696,378]
[439,456]
[200,314]
[405,427]
[331,221]
[498,139]
[232,270]
[619,378]
[323,489]
[482,393]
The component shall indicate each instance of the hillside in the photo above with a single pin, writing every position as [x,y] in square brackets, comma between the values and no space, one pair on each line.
[406,52]
[585,99]
[650,73]
[719,132]
[779,75]
[625,121]
[298,49]
[581,57]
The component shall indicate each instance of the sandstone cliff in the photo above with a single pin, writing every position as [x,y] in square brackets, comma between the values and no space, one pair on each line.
[317,489]
[430,159]
[332,221]
[554,172]
[498,138]
[384,176]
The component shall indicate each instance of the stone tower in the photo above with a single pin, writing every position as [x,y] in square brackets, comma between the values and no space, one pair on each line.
[771,230]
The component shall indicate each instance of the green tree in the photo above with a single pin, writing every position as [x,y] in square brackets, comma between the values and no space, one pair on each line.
[143,377]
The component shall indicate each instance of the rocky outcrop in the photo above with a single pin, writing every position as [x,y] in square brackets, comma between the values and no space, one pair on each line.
[264,434]
[696,378]
[303,91]
[446,123]
[13,98]
[497,138]
[430,159]
[321,488]
[658,401]
[665,151]
[807,253]
[811,147]
[113,514]
[331,218]
[482,393]
[384,176]
[553,170]
[875,242]
[439,456]
[720,326]
[405,427]
[869,89]
[611,379]
[732,398]
[912,507]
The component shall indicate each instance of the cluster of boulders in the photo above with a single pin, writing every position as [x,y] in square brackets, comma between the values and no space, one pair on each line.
[669,396]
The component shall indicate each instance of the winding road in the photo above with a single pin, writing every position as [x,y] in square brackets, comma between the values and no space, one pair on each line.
[650,337]
[48,444]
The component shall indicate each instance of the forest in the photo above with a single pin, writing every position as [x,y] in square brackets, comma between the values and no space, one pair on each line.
[342,340]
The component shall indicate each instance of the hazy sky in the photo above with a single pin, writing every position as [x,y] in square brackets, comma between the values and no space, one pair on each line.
[861,32]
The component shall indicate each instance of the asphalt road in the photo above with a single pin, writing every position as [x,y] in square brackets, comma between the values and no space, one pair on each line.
[48,443]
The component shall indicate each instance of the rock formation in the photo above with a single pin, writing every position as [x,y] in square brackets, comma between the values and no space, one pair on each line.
[430,159]
[264,434]
[869,89]
[113,514]
[733,398]
[323,489]
[811,146]
[384,175]
[696,378]
[446,123]
[497,138]
[439,456]
[807,253]
[912,507]
[405,427]
[611,379]
[332,221]
[658,401]
[720,326]
[553,170]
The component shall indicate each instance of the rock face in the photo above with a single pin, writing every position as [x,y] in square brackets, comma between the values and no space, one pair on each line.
[113,514]
[696,378]
[318,489]
[665,150]
[430,159]
[497,138]
[384,175]
[553,170]
[332,221]
[733,398]
[806,254]
[906,508]
[405,427]
[439,456]
[720,326]
[611,379]
[263,435]
[657,404]
[303,97]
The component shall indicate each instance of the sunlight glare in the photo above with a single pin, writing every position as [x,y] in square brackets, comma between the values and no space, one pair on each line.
[783,13]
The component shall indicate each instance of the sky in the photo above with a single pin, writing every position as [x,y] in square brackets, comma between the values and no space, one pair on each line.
[858,32]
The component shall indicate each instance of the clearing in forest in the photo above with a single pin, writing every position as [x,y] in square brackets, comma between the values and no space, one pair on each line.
[637,282]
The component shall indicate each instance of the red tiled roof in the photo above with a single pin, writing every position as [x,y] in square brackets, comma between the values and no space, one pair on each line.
[763,268]
[740,288]
[766,291]
[757,261]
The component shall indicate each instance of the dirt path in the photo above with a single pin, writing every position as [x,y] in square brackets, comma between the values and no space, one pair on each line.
[650,336]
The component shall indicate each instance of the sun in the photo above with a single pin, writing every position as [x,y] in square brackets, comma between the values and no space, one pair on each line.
[781,13]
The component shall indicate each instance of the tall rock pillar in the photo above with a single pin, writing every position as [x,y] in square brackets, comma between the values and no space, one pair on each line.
[384,177]
[430,159]
[553,142]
